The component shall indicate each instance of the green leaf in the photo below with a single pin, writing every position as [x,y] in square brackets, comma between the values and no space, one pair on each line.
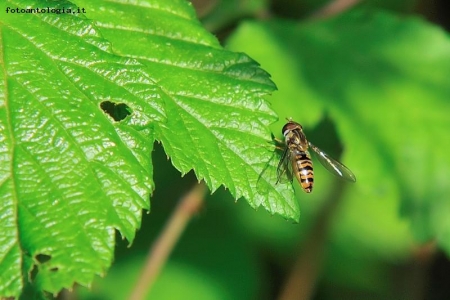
[384,81]
[82,101]
[216,118]
[221,14]
[69,174]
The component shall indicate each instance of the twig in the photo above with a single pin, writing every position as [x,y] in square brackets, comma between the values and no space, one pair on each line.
[333,8]
[301,282]
[162,247]
[417,271]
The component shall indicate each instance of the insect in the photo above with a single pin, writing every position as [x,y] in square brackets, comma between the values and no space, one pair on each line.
[296,160]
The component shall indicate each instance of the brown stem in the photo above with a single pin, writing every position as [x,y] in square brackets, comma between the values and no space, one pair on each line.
[301,282]
[417,271]
[162,247]
[334,7]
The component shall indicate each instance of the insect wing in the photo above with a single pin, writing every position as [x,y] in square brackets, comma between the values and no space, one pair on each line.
[276,170]
[332,165]
[268,175]
[284,169]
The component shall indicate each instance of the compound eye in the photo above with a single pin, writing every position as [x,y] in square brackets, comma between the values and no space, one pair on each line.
[290,126]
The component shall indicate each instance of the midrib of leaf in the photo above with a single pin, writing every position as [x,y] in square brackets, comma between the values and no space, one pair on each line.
[10,259]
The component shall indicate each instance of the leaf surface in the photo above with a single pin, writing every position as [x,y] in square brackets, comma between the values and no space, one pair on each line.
[216,117]
[70,175]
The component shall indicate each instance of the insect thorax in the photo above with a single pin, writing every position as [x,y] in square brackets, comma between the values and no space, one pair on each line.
[296,140]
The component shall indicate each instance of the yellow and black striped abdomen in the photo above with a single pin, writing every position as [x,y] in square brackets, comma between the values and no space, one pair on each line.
[303,170]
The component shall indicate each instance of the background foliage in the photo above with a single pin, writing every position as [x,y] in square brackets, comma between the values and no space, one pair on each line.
[369,84]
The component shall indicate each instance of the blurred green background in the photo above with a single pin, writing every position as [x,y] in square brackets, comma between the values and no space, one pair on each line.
[371,86]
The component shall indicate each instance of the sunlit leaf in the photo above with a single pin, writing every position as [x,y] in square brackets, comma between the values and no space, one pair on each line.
[82,99]
[216,119]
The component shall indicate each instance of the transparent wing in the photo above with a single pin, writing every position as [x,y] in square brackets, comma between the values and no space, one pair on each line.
[274,171]
[284,169]
[268,175]
[332,165]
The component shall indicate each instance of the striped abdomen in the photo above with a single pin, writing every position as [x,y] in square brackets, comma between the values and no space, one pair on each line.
[303,169]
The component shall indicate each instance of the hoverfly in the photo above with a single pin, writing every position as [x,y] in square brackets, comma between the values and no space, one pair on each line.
[296,160]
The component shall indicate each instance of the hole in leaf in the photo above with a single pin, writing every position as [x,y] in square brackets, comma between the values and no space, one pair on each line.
[42,258]
[116,111]
[54,269]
